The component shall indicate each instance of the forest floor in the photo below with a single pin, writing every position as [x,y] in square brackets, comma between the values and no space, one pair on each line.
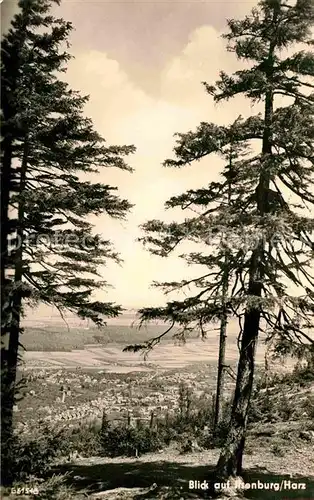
[170,472]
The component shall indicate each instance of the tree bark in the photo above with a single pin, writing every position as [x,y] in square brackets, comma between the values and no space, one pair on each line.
[5,303]
[10,132]
[230,460]
[6,173]
[223,322]
[11,358]
[222,355]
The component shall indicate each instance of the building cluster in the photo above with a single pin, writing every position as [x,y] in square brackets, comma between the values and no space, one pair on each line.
[83,397]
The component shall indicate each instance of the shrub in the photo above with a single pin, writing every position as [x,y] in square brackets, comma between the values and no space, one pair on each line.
[26,457]
[83,440]
[308,406]
[186,442]
[125,440]
[261,407]
[167,429]
[215,438]
[34,456]
[286,408]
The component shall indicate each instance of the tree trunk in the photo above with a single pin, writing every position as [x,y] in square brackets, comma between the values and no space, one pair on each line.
[230,460]
[151,423]
[223,320]
[11,358]
[221,368]
[9,309]
[5,196]
[6,415]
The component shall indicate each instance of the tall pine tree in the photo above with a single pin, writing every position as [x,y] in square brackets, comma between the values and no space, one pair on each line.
[286,160]
[279,254]
[49,251]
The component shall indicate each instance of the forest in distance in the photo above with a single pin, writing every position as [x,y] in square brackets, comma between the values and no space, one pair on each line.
[209,392]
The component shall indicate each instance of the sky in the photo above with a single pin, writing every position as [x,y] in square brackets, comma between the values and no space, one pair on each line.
[142,63]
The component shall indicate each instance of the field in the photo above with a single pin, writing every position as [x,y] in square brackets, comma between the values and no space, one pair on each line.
[103,348]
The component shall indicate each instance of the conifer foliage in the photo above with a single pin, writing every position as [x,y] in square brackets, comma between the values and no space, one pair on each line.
[49,251]
[271,270]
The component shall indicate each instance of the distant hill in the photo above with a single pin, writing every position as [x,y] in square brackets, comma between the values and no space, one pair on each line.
[48,316]
[60,338]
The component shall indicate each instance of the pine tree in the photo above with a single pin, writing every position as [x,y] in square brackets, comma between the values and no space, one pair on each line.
[280,251]
[286,159]
[49,251]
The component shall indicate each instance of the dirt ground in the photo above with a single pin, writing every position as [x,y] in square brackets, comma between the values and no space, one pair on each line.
[170,469]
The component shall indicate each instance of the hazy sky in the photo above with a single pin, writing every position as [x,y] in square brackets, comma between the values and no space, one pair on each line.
[142,64]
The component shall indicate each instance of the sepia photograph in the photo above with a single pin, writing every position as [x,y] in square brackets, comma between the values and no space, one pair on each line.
[157,249]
